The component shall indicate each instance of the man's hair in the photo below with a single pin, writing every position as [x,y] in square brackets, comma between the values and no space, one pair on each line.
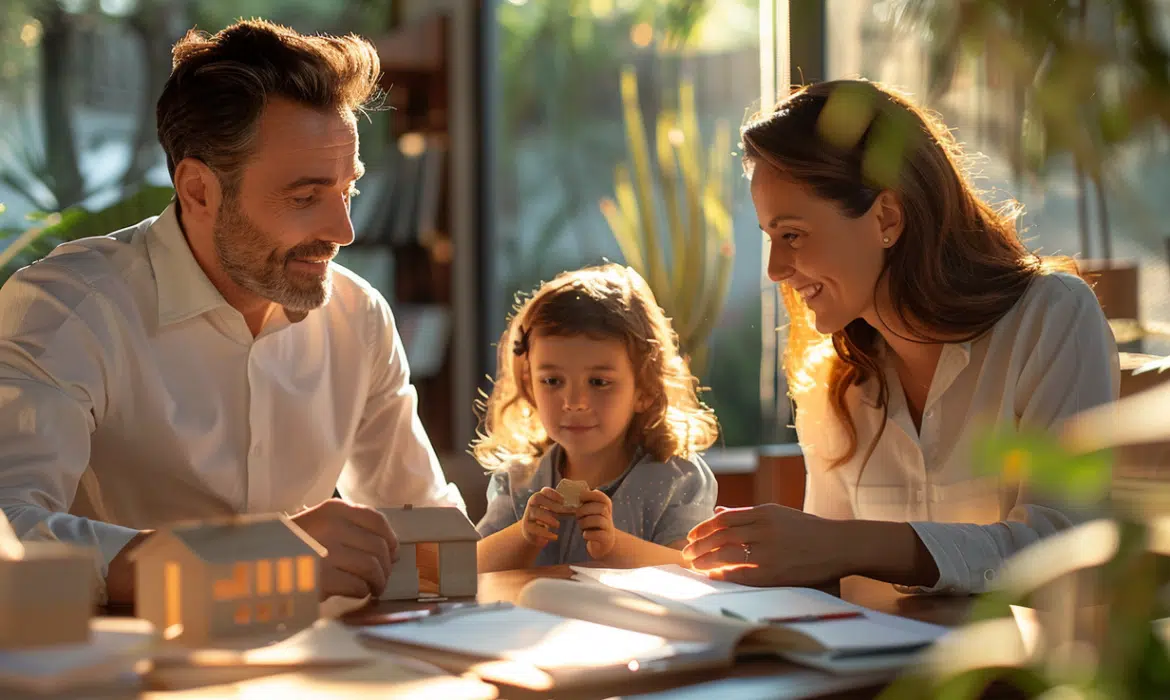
[219,85]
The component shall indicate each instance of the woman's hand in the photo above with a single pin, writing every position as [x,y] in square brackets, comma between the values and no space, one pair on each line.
[785,547]
[540,523]
[595,516]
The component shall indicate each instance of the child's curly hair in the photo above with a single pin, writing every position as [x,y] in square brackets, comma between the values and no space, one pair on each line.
[606,301]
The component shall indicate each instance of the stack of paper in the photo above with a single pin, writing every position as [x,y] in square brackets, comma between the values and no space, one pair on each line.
[115,650]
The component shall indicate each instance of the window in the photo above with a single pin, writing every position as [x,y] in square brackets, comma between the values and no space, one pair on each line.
[263,612]
[102,68]
[306,574]
[561,133]
[238,586]
[285,608]
[284,575]
[871,38]
[263,577]
[243,614]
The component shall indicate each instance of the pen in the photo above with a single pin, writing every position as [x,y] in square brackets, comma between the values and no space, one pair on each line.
[459,609]
[793,619]
[734,614]
[396,617]
[846,615]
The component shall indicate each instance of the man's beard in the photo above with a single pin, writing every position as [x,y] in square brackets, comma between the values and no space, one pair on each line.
[251,264]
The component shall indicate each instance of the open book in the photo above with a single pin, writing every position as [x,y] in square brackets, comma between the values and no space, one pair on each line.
[575,633]
[804,625]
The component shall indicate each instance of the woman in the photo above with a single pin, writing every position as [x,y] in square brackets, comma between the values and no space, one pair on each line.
[918,320]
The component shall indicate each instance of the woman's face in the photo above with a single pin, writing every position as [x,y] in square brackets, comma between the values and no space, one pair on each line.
[831,260]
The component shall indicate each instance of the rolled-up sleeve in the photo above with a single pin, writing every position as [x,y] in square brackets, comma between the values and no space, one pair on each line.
[58,362]
[392,461]
[693,492]
[1073,367]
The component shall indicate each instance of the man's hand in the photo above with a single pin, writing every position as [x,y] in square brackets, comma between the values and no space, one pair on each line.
[362,547]
[595,517]
[540,523]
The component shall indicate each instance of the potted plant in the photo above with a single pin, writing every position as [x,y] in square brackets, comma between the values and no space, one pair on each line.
[687,255]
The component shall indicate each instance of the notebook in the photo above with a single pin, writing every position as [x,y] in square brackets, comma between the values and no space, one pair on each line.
[860,640]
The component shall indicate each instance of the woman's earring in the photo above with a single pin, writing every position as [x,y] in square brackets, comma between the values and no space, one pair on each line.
[885,240]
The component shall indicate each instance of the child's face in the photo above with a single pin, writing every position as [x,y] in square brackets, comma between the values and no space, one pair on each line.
[585,391]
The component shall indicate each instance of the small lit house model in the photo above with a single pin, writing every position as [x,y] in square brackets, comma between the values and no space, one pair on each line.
[214,580]
[443,528]
[46,592]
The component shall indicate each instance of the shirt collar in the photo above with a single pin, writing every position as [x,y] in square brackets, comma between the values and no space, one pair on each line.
[556,457]
[954,358]
[184,290]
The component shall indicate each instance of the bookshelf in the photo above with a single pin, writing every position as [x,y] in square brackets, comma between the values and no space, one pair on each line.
[406,235]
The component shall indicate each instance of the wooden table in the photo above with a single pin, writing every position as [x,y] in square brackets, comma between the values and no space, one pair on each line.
[762,678]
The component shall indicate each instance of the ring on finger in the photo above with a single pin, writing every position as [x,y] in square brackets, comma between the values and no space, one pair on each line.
[747,552]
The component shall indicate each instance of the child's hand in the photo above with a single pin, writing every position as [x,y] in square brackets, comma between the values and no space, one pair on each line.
[540,517]
[595,517]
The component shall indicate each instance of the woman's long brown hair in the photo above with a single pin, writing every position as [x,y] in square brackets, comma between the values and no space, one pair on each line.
[959,264]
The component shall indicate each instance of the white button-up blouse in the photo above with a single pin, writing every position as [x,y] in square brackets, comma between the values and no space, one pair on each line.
[1051,356]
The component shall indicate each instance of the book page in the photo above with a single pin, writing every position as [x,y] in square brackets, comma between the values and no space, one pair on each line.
[617,608]
[534,637]
[874,632]
[669,581]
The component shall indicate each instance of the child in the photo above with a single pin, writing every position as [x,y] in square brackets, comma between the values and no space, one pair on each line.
[590,387]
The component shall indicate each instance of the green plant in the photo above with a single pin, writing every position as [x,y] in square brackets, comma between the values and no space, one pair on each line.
[1083,79]
[1079,614]
[26,245]
[687,262]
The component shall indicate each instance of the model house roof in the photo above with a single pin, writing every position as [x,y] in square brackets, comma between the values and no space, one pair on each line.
[237,538]
[439,524]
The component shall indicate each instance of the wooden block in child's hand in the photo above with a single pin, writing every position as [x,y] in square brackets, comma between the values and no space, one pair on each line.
[572,490]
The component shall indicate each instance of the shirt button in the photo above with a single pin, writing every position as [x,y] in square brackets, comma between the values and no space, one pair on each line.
[989,575]
[930,413]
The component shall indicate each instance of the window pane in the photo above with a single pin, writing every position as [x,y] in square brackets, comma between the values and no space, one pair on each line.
[263,577]
[873,38]
[284,575]
[238,586]
[562,134]
[174,606]
[306,573]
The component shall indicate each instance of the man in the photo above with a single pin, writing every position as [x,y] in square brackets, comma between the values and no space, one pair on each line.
[213,360]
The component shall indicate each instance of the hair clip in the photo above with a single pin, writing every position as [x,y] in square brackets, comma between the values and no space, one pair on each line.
[520,345]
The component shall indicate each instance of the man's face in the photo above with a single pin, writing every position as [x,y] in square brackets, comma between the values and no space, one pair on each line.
[277,233]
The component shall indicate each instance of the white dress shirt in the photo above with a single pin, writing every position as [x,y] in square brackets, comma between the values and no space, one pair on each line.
[1051,356]
[132,395]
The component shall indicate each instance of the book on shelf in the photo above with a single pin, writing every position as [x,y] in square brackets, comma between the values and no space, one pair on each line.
[402,196]
[616,625]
